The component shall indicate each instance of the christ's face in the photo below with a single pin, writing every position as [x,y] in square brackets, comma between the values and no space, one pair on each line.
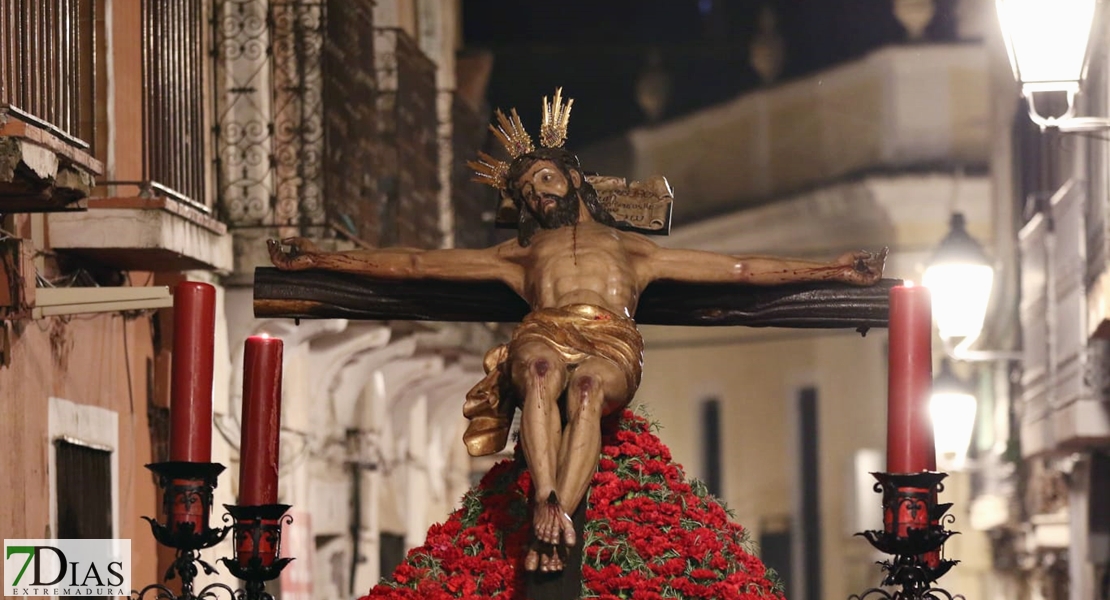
[549,194]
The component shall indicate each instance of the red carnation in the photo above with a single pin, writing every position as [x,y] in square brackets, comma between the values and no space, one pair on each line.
[639,541]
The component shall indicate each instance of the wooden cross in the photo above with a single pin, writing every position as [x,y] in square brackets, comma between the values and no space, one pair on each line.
[332,295]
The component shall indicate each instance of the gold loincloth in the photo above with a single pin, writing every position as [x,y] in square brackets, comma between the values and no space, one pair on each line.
[577,332]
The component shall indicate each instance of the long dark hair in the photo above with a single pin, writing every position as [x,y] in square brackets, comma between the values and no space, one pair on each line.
[566,162]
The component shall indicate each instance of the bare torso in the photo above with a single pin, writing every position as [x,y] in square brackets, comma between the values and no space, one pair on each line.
[588,263]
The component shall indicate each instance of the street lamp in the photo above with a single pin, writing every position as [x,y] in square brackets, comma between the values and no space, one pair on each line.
[952,408]
[959,278]
[1048,44]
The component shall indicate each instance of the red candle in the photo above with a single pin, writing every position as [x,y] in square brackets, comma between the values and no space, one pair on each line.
[909,442]
[194,336]
[261,426]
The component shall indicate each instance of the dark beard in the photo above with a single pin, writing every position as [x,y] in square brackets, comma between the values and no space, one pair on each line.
[563,214]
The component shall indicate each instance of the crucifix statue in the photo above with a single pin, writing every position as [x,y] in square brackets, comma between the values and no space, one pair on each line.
[576,356]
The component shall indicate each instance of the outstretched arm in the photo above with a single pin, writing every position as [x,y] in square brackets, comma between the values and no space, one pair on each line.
[695,266]
[489,264]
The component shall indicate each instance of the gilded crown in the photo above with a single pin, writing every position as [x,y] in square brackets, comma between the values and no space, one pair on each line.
[556,116]
[512,135]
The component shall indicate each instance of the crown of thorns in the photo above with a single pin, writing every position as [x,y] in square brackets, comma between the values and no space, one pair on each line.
[512,135]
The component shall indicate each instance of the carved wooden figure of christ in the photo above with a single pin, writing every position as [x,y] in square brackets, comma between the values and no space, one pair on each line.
[582,279]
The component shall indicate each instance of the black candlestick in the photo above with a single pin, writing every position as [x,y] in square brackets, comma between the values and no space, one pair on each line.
[257,546]
[187,495]
[914,534]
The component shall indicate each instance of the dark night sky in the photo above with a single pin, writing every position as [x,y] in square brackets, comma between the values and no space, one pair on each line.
[597,49]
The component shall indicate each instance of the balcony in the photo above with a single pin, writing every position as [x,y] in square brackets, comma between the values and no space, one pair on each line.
[298,143]
[154,213]
[1064,386]
[326,128]
[352,175]
[47,105]
[137,233]
[899,109]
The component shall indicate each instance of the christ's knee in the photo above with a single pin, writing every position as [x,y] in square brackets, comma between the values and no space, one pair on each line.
[537,368]
[540,368]
[585,397]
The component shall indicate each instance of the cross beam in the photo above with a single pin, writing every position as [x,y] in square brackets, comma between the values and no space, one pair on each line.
[331,295]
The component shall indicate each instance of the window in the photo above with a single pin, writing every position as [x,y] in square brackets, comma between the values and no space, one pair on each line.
[83,479]
[711,445]
[810,480]
[392,554]
[84,470]
[47,59]
[777,550]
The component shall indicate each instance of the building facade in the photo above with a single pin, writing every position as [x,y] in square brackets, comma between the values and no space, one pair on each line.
[879,152]
[139,159]
[165,142]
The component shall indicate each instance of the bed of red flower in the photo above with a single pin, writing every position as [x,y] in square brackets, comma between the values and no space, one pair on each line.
[649,533]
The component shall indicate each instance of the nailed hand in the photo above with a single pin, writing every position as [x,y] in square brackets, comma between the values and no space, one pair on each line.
[862,267]
[293,254]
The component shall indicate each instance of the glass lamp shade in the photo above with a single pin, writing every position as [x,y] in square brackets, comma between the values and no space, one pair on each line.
[959,278]
[952,408]
[1047,41]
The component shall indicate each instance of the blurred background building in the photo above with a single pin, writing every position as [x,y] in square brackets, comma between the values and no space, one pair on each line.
[147,142]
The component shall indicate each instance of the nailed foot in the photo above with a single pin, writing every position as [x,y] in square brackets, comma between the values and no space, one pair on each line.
[551,524]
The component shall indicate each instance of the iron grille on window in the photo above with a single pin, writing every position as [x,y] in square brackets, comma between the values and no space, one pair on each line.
[47,58]
[173,98]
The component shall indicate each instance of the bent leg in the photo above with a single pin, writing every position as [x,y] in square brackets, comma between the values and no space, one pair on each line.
[597,388]
[539,374]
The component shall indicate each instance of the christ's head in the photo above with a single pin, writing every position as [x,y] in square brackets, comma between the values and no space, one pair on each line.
[548,185]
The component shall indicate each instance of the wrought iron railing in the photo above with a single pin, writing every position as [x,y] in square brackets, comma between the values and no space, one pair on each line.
[174,137]
[269,126]
[47,65]
[324,123]
[244,112]
[297,38]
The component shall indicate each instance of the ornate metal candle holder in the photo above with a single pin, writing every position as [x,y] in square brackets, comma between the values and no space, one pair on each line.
[257,545]
[187,505]
[914,534]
